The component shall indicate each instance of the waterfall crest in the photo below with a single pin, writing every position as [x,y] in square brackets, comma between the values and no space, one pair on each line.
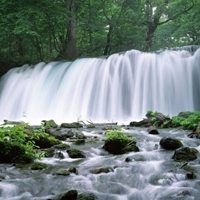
[119,88]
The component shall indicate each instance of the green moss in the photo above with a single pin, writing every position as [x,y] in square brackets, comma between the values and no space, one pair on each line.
[90,126]
[50,124]
[38,166]
[75,153]
[116,141]
[72,125]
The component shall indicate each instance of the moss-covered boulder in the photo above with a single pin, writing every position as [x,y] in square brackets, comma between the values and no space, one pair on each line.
[50,123]
[46,141]
[38,166]
[69,195]
[101,170]
[184,154]
[142,123]
[90,126]
[14,152]
[62,172]
[117,142]
[75,153]
[87,196]
[170,143]
[72,125]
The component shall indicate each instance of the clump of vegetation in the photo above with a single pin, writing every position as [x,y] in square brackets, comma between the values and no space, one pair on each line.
[188,120]
[50,124]
[117,141]
[18,143]
[191,121]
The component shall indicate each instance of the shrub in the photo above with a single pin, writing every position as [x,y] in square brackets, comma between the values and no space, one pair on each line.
[191,121]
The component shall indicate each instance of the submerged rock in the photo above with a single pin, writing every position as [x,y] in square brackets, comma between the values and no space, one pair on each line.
[170,143]
[184,154]
[101,170]
[62,172]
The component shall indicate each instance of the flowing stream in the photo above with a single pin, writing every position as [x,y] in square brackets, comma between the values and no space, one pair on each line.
[121,87]
[150,173]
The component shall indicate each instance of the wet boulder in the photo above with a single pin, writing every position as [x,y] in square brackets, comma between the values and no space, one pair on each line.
[72,125]
[38,166]
[87,196]
[117,142]
[170,143]
[50,123]
[44,141]
[75,153]
[69,195]
[184,154]
[142,123]
[101,170]
[62,172]
[153,130]
[60,134]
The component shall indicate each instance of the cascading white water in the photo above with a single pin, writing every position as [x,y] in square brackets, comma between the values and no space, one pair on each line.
[119,88]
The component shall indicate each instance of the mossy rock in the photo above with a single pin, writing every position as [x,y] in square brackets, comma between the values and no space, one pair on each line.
[46,141]
[170,143]
[62,146]
[87,196]
[90,126]
[75,153]
[11,152]
[184,154]
[62,172]
[72,125]
[69,195]
[50,123]
[117,142]
[38,166]
[79,142]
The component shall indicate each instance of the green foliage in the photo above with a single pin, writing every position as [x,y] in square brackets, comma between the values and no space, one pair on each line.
[191,121]
[176,121]
[16,146]
[18,143]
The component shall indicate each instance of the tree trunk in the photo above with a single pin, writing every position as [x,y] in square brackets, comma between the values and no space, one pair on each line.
[68,42]
[108,42]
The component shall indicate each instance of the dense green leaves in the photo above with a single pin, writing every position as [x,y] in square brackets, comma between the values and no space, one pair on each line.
[42,30]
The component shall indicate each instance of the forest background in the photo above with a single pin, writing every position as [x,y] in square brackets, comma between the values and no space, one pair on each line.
[32,31]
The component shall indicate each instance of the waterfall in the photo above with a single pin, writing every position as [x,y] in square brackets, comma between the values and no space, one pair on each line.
[121,87]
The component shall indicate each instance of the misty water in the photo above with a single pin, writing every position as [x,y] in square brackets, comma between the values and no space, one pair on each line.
[121,87]
[150,173]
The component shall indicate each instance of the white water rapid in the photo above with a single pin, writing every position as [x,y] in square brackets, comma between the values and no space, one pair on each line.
[150,174]
[119,88]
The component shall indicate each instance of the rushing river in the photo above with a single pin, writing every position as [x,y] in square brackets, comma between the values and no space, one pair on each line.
[150,174]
